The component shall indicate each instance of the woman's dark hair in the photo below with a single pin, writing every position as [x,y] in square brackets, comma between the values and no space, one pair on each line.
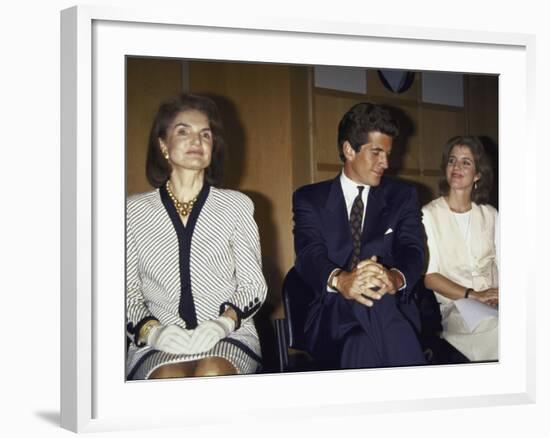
[482,187]
[359,121]
[157,167]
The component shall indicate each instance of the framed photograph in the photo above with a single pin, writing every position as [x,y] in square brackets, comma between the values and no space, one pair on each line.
[96,46]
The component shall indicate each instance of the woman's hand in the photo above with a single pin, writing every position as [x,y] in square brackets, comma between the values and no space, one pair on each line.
[170,339]
[487,296]
[209,333]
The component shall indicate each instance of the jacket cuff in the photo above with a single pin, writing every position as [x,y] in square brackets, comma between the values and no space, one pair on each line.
[402,288]
[244,313]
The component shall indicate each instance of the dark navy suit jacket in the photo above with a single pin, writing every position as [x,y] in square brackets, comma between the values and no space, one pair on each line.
[343,332]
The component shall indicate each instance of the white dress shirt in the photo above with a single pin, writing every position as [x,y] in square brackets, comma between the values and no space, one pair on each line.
[349,187]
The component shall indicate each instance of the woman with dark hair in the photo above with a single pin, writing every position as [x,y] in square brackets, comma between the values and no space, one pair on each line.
[462,234]
[194,276]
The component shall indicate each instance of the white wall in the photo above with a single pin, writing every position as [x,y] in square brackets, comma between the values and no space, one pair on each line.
[339,78]
[29,235]
[443,88]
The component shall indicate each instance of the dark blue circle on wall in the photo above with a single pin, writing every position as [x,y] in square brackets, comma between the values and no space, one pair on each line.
[396,81]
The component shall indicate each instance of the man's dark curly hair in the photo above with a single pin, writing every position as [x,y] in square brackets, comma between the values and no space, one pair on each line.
[361,119]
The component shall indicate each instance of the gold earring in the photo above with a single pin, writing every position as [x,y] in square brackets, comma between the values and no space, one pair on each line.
[165,153]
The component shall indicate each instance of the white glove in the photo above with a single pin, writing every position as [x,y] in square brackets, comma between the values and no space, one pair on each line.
[209,333]
[170,339]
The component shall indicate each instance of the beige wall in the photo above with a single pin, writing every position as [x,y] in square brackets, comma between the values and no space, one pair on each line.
[261,124]
[148,82]
[424,127]
[266,114]
[282,132]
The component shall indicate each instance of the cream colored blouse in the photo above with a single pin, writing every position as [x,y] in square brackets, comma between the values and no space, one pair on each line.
[462,246]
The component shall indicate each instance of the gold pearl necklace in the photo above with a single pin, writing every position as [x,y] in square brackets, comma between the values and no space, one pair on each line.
[183,208]
[457,210]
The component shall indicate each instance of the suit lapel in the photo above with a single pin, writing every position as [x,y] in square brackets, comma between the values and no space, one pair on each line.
[336,224]
[375,215]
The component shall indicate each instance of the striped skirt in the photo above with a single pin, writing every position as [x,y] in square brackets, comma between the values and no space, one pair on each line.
[141,362]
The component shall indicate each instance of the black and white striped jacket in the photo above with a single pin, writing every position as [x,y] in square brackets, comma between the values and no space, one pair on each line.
[188,274]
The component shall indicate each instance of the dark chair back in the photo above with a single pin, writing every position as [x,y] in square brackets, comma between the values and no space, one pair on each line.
[297,297]
[437,350]
[430,314]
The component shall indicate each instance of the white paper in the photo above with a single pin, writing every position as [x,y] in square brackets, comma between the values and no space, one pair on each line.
[473,312]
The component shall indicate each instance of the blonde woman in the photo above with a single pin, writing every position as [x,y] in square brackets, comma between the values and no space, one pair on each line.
[462,234]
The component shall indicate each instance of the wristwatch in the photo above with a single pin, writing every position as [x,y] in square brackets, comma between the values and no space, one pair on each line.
[146,329]
[333,283]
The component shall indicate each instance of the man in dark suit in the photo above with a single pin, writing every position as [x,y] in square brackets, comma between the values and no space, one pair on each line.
[359,247]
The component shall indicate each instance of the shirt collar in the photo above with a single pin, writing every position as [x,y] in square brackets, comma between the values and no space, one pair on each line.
[349,187]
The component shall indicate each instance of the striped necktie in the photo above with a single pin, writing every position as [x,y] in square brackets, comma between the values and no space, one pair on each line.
[355,221]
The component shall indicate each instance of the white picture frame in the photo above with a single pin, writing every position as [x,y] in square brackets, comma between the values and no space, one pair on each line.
[94,395]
